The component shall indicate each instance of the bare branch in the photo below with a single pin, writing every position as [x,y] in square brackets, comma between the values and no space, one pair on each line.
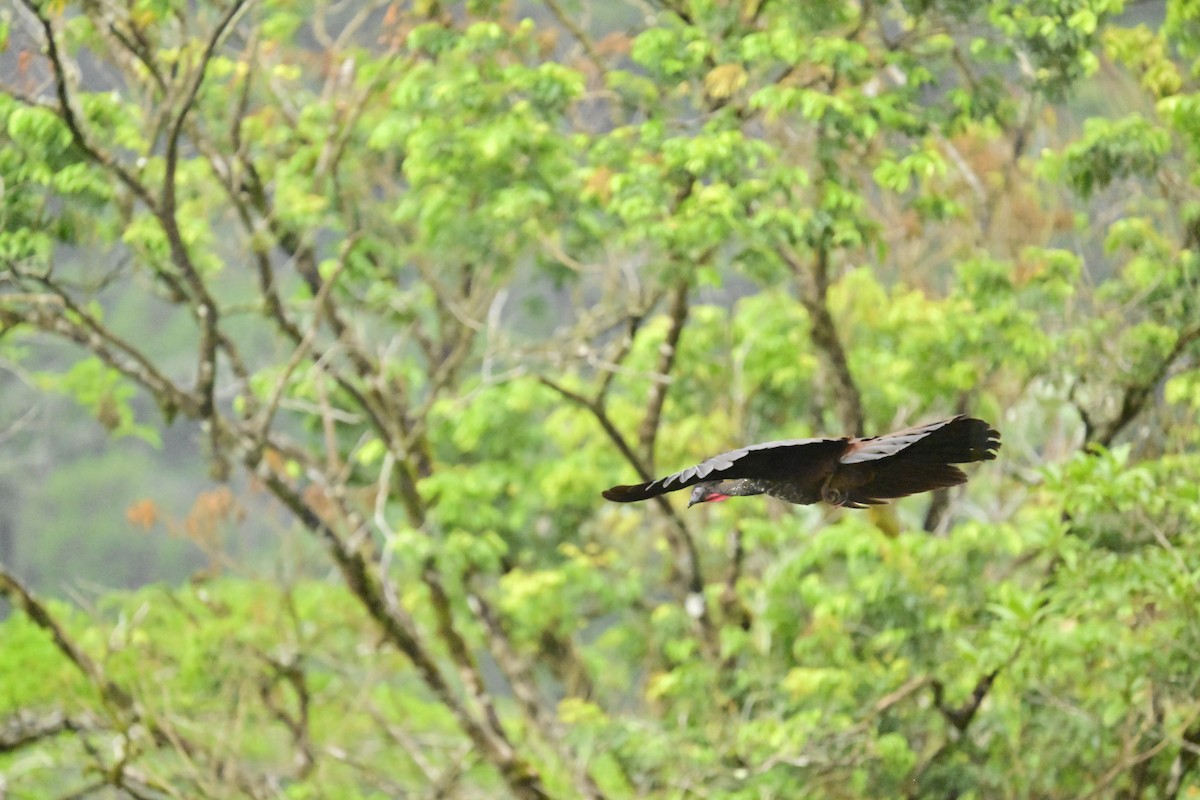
[24,729]
[602,417]
[1185,762]
[961,716]
[1134,396]
[23,599]
[204,307]
[521,681]
[302,350]
[67,112]
[687,556]
[291,673]
[585,41]
[624,345]
[460,652]
[522,778]
[814,288]
[648,431]
[85,330]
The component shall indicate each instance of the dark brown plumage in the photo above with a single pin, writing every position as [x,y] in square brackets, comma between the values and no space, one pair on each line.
[843,472]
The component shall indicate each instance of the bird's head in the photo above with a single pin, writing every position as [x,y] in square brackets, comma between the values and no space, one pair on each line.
[708,492]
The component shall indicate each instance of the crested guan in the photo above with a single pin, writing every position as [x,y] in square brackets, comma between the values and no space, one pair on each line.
[843,472]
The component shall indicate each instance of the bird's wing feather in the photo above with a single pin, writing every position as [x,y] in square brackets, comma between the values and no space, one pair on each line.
[767,460]
[921,458]
[956,440]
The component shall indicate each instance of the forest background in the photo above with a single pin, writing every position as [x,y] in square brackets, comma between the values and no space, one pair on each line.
[322,326]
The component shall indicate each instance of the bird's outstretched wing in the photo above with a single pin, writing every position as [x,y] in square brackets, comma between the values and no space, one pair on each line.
[920,459]
[768,460]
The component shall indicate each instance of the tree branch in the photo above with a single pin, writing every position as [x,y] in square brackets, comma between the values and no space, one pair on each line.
[83,329]
[1185,762]
[460,652]
[648,431]
[522,777]
[961,716]
[813,282]
[23,599]
[204,307]
[24,729]
[1134,396]
[632,324]
[524,689]
[579,33]
[687,557]
[67,111]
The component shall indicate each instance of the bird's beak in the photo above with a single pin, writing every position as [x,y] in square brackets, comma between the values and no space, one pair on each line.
[692,501]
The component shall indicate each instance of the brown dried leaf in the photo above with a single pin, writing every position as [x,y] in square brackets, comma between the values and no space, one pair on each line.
[143,514]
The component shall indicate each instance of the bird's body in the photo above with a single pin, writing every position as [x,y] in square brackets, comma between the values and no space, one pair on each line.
[853,472]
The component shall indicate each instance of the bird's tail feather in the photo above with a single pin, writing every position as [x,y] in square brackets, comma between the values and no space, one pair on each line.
[631,494]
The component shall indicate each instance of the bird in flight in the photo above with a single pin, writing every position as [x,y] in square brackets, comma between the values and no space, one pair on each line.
[849,472]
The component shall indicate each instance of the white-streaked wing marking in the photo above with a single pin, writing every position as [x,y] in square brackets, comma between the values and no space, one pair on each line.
[890,444]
